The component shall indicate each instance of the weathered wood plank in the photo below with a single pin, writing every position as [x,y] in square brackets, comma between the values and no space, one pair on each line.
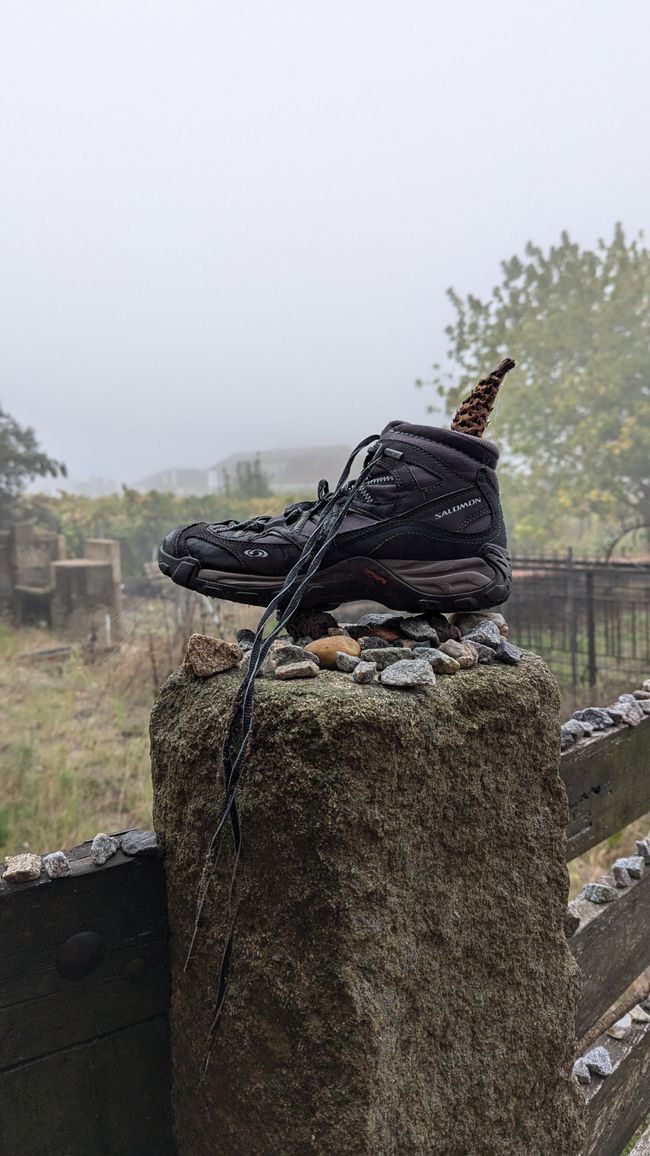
[611,947]
[111,1095]
[617,1105]
[607,778]
[121,909]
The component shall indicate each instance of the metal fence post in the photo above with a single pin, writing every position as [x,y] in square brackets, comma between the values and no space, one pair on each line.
[591,628]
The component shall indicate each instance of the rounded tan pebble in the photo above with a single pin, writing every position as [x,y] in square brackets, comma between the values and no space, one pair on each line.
[22,868]
[326,649]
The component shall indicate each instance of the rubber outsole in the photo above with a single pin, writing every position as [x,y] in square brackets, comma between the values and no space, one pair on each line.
[462,584]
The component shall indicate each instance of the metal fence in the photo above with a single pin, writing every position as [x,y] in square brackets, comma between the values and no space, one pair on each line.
[590,621]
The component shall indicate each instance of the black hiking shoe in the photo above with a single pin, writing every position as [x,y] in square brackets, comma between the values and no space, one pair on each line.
[421,528]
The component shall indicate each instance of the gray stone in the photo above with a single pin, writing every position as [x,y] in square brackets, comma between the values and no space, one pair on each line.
[289,652]
[639,1015]
[633,864]
[467,620]
[621,1028]
[441,663]
[486,654]
[384,656]
[596,715]
[581,1071]
[621,875]
[206,656]
[641,695]
[22,868]
[627,710]
[290,670]
[304,641]
[507,652]
[418,627]
[567,739]
[645,685]
[410,672]
[599,892]
[346,662]
[245,639]
[579,730]
[378,620]
[143,843]
[487,633]
[374,642]
[443,627]
[465,653]
[56,864]
[643,849]
[103,847]
[364,672]
[645,707]
[599,1062]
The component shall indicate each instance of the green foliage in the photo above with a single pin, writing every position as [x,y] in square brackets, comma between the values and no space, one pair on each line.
[21,461]
[138,521]
[574,417]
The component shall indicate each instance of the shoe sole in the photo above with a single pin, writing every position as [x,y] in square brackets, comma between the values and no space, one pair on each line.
[463,584]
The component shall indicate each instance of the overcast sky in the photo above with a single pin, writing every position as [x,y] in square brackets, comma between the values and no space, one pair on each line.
[231,226]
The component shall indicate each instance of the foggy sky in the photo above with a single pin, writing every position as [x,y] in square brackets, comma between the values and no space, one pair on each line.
[231,225]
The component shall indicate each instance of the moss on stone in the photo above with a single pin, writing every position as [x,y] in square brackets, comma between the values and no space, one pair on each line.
[401,981]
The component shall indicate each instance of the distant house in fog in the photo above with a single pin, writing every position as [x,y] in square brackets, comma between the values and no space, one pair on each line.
[183,483]
[288,470]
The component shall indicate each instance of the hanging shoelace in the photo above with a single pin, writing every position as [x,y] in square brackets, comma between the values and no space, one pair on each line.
[328,511]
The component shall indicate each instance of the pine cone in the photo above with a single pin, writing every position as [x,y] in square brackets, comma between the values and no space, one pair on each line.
[473,414]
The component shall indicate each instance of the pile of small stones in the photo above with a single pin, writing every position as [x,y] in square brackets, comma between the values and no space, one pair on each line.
[628,710]
[27,867]
[397,651]
[597,1061]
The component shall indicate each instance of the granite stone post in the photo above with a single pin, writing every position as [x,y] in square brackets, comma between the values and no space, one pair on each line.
[400,979]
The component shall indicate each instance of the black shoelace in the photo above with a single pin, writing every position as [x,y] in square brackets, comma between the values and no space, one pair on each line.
[328,511]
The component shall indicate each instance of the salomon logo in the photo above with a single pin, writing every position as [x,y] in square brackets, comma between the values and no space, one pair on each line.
[460,506]
[256,553]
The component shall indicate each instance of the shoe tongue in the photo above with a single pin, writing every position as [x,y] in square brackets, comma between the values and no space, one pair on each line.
[480,448]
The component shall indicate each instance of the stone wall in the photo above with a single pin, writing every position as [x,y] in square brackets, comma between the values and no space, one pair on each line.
[400,978]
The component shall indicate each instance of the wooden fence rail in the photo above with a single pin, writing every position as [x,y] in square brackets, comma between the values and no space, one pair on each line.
[68,1038]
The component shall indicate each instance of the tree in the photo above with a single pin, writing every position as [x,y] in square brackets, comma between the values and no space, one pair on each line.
[250,481]
[21,461]
[574,417]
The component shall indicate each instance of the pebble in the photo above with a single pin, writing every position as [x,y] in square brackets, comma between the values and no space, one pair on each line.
[581,1072]
[245,639]
[645,685]
[289,670]
[140,843]
[486,654]
[384,656]
[370,641]
[419,627]
[599,1062]
[633,864]
[599,892]
[444,628]
[346,662]
[442,663]
[621,876]
[620,1029]
[487,633]
[206,656]
[465,653]
[56,864]
[315,623]
[640,1016]
[22,868]
[408,672]
[377,619]
[288,652]
[628,712]
[595,715]
[102,848]
[578,729]
[326,649]
[645,707]
[567,738]
[642,695]
[364,671]
[643,849]
[467,620]
[507,652]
